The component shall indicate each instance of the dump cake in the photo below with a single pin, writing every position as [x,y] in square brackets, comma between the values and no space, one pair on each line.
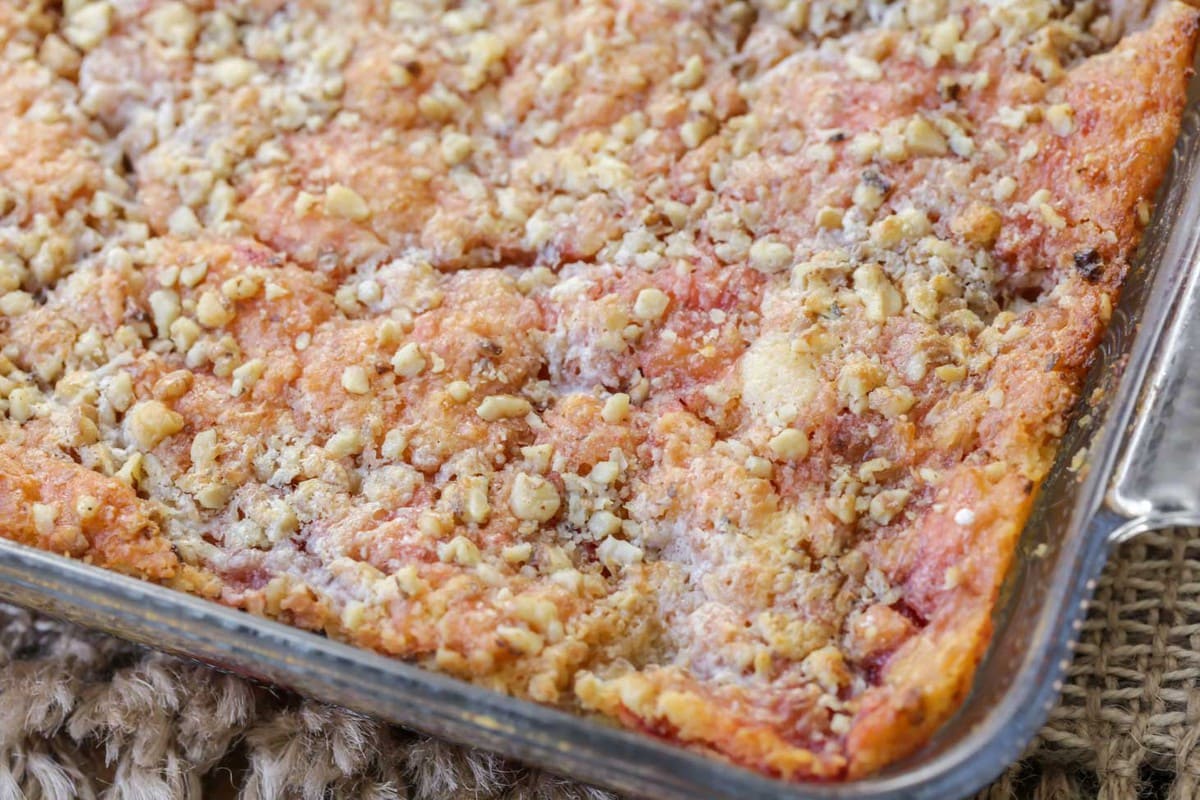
[684,362]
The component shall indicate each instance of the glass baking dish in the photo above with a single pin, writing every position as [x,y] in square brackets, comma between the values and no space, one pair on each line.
[1128,464]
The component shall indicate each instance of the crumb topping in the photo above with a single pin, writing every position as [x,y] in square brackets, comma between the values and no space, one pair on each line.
[691,363]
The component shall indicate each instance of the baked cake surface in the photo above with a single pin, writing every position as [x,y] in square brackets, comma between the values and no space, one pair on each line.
[691,363]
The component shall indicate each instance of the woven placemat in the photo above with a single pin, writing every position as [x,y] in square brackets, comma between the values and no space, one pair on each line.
[1128,723]
[85,715]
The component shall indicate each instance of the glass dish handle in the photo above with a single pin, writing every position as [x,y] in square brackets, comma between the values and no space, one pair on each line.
[1156,467]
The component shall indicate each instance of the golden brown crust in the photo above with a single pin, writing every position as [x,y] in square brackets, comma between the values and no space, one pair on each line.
[58,506]
[690,363]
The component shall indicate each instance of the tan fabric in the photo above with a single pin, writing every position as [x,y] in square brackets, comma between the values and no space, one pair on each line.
[84,715]
[1128,724]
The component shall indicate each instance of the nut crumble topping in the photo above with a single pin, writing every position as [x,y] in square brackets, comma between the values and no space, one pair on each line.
[692,363]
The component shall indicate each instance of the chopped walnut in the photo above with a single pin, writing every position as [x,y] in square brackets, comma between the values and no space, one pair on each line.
[651,304]
[355,380]
[151,421]
[616,408]
[789,444]
[499,407]
[534,498]
[342,201]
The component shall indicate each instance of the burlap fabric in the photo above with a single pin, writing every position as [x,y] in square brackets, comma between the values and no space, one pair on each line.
[1128,724]
[84,715]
